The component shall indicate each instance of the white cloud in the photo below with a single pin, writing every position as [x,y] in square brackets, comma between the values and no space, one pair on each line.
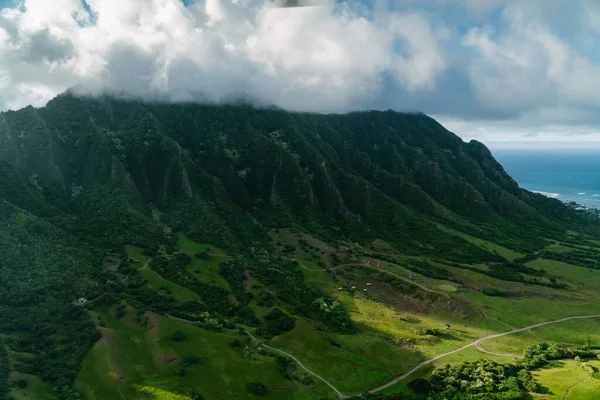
[427,59]
[524,130]
[329,58]
[527,67]
[520,69]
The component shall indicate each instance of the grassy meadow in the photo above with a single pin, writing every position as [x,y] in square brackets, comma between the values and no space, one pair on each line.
[396,331]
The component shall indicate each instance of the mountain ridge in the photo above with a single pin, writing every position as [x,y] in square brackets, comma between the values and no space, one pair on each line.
[121,202]
[307,162]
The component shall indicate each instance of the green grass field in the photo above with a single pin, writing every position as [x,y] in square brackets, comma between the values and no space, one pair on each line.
[509,254]
[167,288]
[131,362]
[342,367]
[136,253]
[36,388]
[567,380]
[207,271]
[187,245]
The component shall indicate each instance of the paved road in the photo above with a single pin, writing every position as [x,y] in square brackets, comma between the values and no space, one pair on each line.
[496,354]
[476,343]
[397,379]
[340,394]
[485,314]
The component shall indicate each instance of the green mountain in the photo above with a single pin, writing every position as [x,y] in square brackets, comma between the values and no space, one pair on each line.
[90,188]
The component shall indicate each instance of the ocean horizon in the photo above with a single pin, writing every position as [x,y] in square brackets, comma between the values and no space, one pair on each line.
[564,174]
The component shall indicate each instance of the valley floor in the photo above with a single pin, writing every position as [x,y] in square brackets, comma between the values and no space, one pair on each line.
[400,338]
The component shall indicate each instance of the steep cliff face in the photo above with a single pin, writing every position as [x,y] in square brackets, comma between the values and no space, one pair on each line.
[367,175]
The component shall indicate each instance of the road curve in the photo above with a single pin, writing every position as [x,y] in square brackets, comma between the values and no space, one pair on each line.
[476,343]
[496,354]
[340,394]
[397,379]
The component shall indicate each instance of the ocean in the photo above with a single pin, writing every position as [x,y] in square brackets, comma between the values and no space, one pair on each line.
[568,175]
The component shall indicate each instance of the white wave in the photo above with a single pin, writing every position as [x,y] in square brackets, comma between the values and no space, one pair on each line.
[547,194]
[581,194]
[596,195]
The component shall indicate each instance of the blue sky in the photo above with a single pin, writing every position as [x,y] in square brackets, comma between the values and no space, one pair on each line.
[508,71]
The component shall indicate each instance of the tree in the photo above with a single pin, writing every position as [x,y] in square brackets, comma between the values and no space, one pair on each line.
[178,336]
[190,360]
[256,388]
[420,386]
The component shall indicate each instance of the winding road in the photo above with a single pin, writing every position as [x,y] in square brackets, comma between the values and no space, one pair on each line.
[477,343]
[397,379]
[339,394]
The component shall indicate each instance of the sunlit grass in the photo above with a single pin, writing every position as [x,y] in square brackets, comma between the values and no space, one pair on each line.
[558,378]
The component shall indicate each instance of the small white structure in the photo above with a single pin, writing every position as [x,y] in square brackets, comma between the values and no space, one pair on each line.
[82,300]
[339,288]
[364,290]
[368,284]
[353,287]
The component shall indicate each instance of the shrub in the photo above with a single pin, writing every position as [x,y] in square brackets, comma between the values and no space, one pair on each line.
[178,336]
[494,292]
[256,388]
[420,385]
[196,396]
[428,331]
[276,323]
[190,360]
[120,310]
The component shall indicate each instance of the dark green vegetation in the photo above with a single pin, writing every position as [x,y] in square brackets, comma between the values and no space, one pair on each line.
[4,371]
[484,379]
[280,215]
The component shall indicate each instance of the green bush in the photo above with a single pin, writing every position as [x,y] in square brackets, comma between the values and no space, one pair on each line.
[190,360]
[256,388]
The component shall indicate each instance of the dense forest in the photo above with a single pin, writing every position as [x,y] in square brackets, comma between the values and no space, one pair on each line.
[84,177]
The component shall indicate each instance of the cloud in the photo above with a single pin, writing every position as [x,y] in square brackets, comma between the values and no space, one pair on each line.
[327,58]
[522,69]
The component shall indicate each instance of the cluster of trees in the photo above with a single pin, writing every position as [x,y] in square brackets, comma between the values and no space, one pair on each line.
[425,268]
[288,282]
[276,323]
[514,272]
[4,371]
[43,269]
[173,268]
[539,354]
[485,379]
[482,379]
[586,259]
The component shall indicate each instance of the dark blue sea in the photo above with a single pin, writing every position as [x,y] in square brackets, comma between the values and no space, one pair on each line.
[569,175]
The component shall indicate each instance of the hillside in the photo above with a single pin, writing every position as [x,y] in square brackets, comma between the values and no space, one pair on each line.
[262,222]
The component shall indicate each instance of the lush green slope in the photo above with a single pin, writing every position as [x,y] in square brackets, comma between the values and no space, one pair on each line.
[299,205]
